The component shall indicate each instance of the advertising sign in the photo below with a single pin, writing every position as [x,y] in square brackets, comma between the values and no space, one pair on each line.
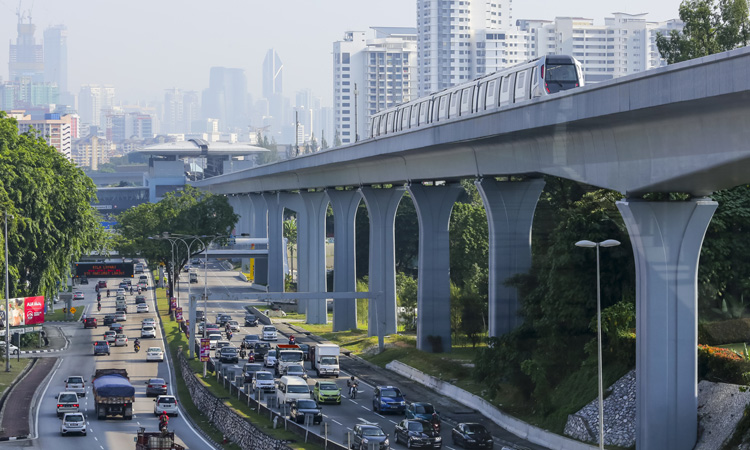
[205,350]
[24,311]
[104,269]
[174,303]
[178,314]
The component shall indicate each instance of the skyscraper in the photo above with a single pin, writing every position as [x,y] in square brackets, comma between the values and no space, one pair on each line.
[56,57]
[26,56]
[226,99]
[273,91]
[92,99]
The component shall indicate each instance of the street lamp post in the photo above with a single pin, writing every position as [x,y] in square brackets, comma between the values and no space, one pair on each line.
[590,244]
[191,308]
[174,281]
[205,278]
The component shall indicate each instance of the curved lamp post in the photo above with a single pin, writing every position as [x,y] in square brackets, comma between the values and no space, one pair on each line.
[590,244]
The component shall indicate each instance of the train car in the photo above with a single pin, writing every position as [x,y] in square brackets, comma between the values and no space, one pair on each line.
[537,78]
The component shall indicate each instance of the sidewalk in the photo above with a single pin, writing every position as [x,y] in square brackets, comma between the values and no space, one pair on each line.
[16,410]
[57,340]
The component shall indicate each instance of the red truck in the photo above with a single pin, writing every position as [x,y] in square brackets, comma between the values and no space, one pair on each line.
[149,440]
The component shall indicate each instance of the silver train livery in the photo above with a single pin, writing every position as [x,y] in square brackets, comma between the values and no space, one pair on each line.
[543,76]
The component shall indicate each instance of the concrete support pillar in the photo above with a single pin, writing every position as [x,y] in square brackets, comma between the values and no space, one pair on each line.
[311,236]
[510,209]
[344,205]
[244,225]
[666,239]
[259,229]
[381,207]
[235,203]
[275,243]
[434,205]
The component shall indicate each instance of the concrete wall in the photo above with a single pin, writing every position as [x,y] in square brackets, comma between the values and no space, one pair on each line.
[513,425]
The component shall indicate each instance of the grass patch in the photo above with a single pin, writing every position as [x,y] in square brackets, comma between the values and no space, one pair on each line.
[59,316]
[16,367]
[178,342]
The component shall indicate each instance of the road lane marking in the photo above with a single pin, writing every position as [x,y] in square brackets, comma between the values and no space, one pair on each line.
[392,421]
[337,422]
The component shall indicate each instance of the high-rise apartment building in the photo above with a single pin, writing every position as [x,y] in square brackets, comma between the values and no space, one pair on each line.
[181,109]
[370,75]
[625,44]
[449,35]
[56,57]
[54,128]
[23,93]
[226,99]
[92,151]
[26,56]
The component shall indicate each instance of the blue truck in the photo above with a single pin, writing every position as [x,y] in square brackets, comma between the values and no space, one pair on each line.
[113,393]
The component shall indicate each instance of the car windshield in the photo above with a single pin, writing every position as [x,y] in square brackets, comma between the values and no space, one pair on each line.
[390,393]
[372,431]
[75,380]
[65,398]
[424,409]
[148,328]
[294,369]
[263,376]
[74,418]
[561,72]
[156,381]
[328,360]
[269,329]
[168,400]
[415,426]
[250,317]
[475,429]
[228,350]
[251,337]
[329,387]
[306,404]
[154,349]
[298,389]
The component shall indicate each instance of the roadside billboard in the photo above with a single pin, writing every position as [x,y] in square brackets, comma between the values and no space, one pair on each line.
[24,311]
[205,349]
[178,314]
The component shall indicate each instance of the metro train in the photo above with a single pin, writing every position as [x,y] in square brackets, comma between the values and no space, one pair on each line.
[542,76]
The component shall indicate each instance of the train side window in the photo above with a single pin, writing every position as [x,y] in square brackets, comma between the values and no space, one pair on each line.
[481,96]
[466,97]
[535,82]
[520,83]
[453,111]
[406,118]
[414,116]
[505,91]
[383,122]
[443,107]
[423,109]
[490,99]
[375,123]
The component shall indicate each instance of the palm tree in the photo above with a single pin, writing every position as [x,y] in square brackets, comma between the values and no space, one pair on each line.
[290,233]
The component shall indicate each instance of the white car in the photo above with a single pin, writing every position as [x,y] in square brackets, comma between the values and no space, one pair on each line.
[165,404]
[142,308]
[121,316]
[110,335]
[143,285]
[270,360]
[269,333]
[74,383]
[150,321]
[121,340]
[154,354]
[73,423]
[148,332]
[120,292]
[78,295]
[13,348]
[234,325]
[67,402]
[214,338]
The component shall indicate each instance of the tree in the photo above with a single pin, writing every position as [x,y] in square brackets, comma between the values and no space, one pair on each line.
[406,294]
[323,142]
[190,212]
[52,221]
[290,233]
[709,28]
[266,157]
[337,139]
[313,144]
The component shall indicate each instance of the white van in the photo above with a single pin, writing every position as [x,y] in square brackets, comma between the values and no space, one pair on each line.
[193,277]
[291,388]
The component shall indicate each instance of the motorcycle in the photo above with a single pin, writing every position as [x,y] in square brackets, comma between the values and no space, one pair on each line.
[137,347]
[353,390]
[98,306]
[163,423]
[291,340]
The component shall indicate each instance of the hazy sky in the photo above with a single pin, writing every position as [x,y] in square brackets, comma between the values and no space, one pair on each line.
[145,46]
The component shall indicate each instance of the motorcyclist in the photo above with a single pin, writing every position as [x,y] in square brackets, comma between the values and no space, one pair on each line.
[98,306]
[229,335]
[107,292]
[163,420]
[251,357]
[98,297]
[291,339]
[352,384]
[131,289]
[136,345]
[242,353]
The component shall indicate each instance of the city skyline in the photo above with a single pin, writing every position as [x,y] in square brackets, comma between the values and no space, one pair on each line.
[105,47]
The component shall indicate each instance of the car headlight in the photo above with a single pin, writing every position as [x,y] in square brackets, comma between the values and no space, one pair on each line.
[402,403]
[365,441]
[385,442]
[438,439]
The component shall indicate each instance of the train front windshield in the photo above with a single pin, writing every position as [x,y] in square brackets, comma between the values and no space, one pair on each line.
[559,77]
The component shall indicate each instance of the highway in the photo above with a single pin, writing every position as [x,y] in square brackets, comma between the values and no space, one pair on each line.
[225,291]
[113,433]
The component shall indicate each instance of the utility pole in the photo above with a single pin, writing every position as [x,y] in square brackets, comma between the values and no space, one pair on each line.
[356,121]
[296,133]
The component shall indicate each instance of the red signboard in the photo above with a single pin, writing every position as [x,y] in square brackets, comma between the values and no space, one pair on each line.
[178,314]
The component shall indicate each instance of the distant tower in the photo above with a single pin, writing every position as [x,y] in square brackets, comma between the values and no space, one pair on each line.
[56,58]
[226,98]
[273,75]
[26,56]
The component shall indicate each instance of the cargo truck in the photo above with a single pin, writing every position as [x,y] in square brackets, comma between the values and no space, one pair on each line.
[324,358]
[113,393]
[288,354]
